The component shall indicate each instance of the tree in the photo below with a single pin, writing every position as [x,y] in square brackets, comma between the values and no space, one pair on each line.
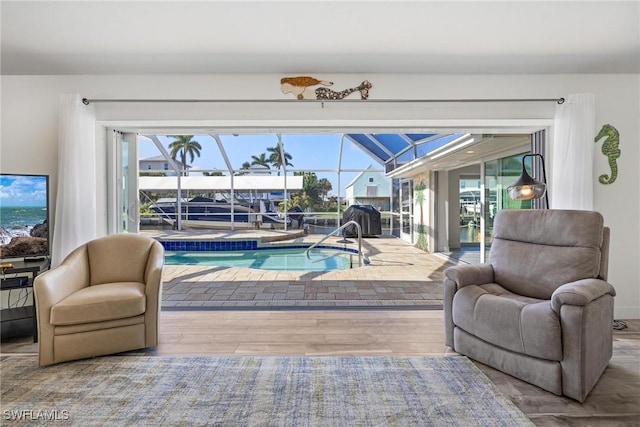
[261,160]
[310,196]
[324,186]
[214,173]
[184,145]
[276,157]
[244,169]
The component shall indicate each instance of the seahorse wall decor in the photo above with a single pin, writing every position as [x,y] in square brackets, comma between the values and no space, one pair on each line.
[611,149]
[301,87]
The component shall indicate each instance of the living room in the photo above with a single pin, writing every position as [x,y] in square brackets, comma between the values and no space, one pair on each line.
[240,51]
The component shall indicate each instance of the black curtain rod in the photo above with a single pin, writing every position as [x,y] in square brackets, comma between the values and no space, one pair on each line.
[87,101]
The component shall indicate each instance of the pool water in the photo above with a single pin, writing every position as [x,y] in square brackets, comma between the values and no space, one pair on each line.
[284,259]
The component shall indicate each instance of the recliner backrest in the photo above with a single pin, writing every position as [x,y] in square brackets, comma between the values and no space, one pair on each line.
[118,258]
[536,251]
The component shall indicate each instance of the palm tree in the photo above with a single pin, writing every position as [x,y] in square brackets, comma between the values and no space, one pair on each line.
[310,192]
[183,145]
[324,186]
[261,160]
[276,157]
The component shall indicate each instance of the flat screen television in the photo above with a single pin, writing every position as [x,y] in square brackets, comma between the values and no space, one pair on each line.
[24,216]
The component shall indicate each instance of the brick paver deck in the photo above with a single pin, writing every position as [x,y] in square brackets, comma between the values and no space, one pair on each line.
[398,275]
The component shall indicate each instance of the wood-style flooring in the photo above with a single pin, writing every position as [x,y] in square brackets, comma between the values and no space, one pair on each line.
[615,400]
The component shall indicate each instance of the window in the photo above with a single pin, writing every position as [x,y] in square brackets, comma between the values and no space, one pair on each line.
[372,190]
[166,166]
[370,179]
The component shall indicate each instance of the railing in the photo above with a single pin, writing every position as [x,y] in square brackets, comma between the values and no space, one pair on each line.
[361,256]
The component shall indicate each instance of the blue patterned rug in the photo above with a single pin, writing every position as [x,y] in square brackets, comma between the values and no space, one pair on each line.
[254,391]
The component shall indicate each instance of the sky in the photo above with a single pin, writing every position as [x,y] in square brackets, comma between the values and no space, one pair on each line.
[23,190]
[308,151]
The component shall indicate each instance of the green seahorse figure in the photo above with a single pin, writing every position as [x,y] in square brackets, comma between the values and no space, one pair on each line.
[610,148]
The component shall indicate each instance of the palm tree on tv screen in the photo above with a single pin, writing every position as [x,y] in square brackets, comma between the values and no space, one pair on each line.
[184,145]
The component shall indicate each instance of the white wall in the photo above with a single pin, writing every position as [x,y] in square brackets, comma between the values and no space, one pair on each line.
[29,124]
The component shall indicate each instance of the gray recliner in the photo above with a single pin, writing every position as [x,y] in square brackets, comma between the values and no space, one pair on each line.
[541,308]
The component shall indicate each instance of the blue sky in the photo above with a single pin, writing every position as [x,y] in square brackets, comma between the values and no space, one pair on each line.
[309,152]
[23,190]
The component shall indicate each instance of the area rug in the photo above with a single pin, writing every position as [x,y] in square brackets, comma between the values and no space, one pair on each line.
[254,391]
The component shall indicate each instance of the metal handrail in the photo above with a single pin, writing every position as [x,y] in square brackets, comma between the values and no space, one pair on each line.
[360,255]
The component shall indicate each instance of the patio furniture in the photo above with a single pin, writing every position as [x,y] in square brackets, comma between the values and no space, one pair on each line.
[541,308]
[104,298]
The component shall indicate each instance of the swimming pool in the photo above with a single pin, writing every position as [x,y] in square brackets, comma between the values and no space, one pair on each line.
[284,259]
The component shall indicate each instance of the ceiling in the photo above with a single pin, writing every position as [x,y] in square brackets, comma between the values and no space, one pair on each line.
[453,37]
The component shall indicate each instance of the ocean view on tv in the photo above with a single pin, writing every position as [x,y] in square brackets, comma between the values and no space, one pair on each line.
[24,230]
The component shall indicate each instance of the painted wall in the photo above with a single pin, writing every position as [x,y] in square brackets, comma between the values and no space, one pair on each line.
[30,108]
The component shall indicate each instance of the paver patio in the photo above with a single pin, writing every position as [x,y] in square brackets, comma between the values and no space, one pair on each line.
[398,275]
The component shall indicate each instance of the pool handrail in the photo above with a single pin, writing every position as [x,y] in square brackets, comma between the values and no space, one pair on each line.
[360,255]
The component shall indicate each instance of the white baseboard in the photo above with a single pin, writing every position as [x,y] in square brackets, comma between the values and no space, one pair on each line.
[626,312]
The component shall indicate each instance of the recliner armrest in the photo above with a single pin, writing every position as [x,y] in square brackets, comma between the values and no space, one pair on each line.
[465,275]
[580,293]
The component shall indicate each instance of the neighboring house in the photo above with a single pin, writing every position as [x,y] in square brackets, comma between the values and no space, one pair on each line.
[158,163]
[370,187]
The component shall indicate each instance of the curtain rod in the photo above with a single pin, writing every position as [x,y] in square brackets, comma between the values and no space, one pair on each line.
[87,101]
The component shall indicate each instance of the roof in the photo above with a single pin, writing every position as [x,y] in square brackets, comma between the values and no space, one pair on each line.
[220,183]
[396,149]
[353,181]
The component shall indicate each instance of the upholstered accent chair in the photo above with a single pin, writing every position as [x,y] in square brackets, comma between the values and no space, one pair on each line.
[541,309]
[104,298]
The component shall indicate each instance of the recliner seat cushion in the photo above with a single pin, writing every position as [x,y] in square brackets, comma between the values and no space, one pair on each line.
[100,303]
[514,322]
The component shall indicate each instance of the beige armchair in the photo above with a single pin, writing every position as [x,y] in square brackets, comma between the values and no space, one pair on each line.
[541,309]
[104,298]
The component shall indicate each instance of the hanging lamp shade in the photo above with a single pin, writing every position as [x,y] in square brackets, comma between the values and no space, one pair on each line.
[527,188]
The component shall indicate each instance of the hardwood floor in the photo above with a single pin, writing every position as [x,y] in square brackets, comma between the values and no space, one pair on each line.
[615,401]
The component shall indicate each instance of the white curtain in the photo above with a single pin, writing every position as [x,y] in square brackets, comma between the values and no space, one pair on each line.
[571,154]
[75,217]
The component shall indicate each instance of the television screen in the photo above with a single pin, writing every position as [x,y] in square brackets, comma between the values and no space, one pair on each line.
[24,216]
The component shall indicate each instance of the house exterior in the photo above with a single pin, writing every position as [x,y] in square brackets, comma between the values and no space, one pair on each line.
[159,163]
[369,187]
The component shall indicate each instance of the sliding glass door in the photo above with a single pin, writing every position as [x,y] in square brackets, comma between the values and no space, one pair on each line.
[123,183]
[406,210]
[498,175]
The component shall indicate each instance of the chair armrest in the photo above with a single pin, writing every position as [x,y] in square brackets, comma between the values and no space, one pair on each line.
[465,275]
[58,283]
[155,262]
[153,292]
[580,293]
[51,287]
